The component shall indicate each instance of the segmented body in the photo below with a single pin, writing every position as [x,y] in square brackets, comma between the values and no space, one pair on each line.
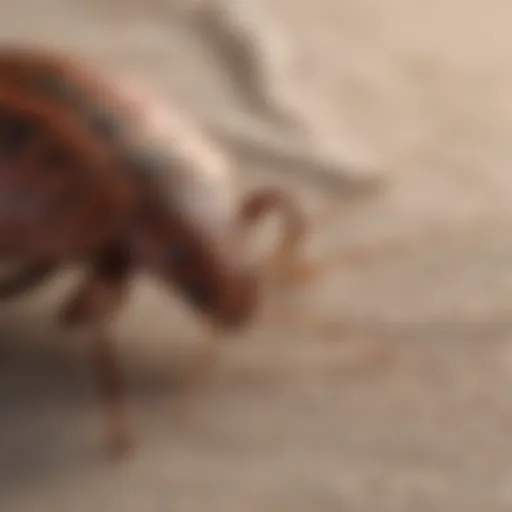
[111,135]
[95,170]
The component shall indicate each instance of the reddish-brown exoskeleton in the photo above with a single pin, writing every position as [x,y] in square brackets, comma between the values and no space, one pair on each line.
[95,172]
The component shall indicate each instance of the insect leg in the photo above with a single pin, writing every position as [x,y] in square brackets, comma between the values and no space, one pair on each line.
[111,392]
[92,306]
[197,376]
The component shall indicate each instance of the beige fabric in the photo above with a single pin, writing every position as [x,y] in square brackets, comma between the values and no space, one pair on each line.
[341,87]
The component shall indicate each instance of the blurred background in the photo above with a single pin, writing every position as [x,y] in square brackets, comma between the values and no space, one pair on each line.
[310,95]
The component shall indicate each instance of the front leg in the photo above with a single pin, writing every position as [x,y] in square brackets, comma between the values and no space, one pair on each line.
[93,306]
[102,294]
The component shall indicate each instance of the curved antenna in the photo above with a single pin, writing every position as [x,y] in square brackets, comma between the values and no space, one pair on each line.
[275,271]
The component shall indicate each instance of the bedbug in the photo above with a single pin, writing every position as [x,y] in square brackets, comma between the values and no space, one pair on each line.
[94,171]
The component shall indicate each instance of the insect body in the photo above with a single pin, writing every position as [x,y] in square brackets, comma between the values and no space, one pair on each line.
[94,171]
[97,164]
